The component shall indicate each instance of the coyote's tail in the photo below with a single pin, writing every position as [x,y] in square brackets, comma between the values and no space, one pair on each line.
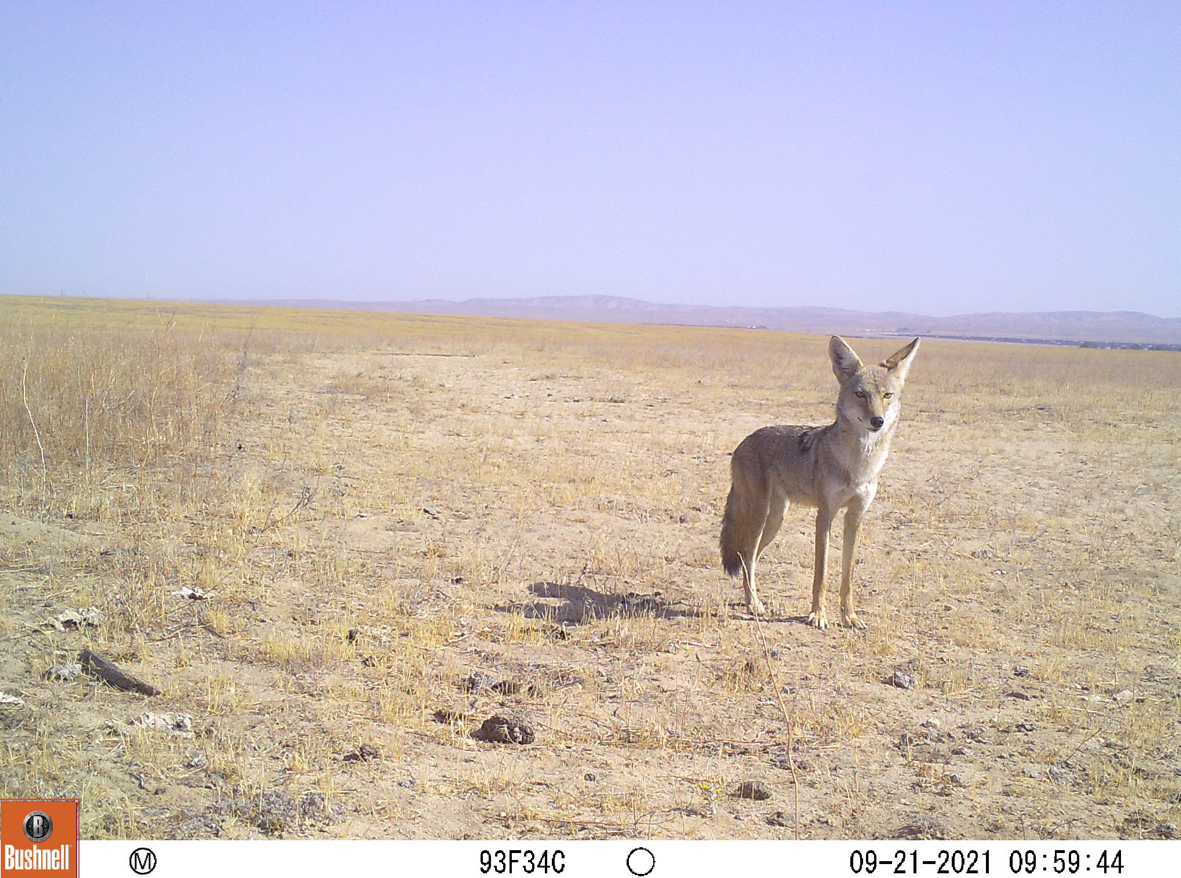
[731,558]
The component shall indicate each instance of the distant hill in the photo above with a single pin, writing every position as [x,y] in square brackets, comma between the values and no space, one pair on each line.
[1103,327]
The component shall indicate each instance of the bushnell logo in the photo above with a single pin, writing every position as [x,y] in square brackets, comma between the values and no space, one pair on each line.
[38,827]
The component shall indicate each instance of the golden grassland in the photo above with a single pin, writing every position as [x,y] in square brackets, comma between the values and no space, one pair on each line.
[402,523]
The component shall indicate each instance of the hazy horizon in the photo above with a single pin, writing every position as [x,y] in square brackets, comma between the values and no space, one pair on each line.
[936,159]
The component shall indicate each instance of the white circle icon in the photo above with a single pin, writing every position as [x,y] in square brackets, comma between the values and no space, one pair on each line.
[640,861]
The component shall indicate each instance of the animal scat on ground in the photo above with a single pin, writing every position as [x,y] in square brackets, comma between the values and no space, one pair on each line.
[507,728]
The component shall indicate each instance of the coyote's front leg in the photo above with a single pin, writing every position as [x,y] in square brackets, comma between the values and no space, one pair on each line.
[853,517]
[823,525]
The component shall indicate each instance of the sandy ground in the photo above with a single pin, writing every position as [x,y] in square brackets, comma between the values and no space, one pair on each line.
[396,544]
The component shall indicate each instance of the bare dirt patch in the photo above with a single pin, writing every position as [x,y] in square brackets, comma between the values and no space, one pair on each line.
[394,537]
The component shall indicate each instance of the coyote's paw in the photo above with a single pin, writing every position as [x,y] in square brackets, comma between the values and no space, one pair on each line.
[818,619]
[756,608]
[850,620]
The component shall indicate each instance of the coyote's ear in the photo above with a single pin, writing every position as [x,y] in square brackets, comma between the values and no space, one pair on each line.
[899,362]
[845,363]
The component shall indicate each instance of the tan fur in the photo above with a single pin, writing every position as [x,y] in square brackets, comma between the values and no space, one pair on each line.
[830,468]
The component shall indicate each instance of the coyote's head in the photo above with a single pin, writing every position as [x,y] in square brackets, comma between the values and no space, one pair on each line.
[871,396]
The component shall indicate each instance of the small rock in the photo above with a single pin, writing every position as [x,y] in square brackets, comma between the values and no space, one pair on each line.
[591,776]
[1020,671]
[475,682]
[784,762]
[446,715]
[74,619]
[1124,697]
[935,735]
[924,828]
[903,680]
[432,511]
[11,700]
[1060,775]
[506,728]
[173,723]
[1032,772]
[1141,824]
[1019,695]
[753,789]
[68,672]
[1025,726]
[780,818]
[635,604]
[365,753]
[190,594]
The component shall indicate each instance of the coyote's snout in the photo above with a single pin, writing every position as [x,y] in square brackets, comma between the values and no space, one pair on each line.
[831,468]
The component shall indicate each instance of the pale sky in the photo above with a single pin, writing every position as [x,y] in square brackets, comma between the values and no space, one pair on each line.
[939,158]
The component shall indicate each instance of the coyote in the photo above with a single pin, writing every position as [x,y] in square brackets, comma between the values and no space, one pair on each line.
[830,468]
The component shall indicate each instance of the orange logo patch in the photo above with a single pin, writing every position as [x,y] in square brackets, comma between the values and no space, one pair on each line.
[38,838]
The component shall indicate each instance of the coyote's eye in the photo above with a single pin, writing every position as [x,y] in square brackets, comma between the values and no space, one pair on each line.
[887,396]
[860,394]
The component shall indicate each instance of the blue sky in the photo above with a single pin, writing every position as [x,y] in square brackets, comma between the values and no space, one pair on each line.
[939,158]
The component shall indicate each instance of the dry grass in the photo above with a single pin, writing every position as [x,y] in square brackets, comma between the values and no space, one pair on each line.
[378,506]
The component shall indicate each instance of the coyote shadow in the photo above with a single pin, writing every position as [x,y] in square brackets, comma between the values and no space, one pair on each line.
[580,605]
